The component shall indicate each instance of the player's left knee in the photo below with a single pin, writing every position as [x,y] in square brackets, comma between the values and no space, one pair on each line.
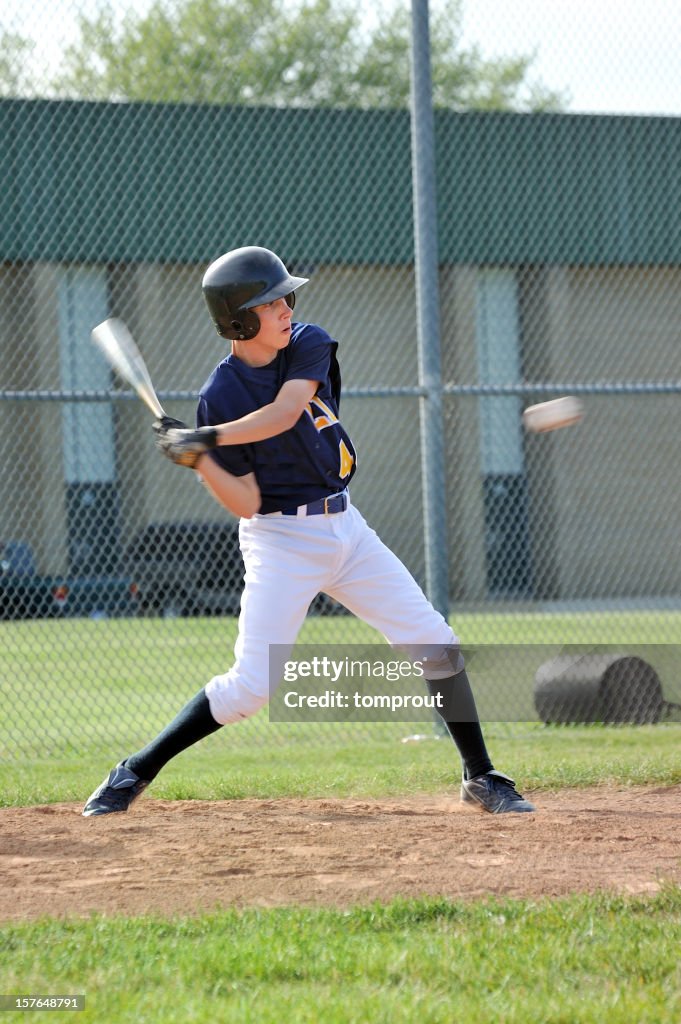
[443,663]
[438,661]
[232,701]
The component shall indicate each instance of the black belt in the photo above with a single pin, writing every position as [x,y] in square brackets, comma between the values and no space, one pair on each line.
[322,507]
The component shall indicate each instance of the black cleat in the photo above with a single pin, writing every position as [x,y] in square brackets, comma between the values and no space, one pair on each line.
[495,793]
[116,793]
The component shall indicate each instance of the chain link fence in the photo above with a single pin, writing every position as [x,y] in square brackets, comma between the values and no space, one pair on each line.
[559,273]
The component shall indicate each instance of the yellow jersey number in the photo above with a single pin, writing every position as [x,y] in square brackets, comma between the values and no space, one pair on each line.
[322,416]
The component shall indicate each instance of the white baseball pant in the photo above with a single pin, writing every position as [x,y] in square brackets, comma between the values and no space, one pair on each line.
[289,560]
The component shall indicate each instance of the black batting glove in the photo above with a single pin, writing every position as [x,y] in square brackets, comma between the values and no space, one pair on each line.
[183,446]
[167,423]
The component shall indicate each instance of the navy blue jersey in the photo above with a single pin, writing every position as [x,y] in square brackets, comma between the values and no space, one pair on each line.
[311,460]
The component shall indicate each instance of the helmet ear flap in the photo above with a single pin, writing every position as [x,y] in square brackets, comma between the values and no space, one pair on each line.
[238,328]
[246,326]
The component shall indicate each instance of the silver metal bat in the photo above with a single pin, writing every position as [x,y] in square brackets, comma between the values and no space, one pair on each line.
[119,348]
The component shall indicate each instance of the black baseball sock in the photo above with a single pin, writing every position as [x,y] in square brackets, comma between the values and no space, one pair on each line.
[461,718]
[191,725]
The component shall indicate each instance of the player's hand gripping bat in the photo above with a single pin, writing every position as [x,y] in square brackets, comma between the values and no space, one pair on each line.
[182,445]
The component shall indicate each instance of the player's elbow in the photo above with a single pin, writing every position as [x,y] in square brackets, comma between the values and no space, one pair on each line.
[242,507]
[250,500]
[247,512]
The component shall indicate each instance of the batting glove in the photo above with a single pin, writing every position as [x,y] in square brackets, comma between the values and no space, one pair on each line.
[160,426]
[181,445]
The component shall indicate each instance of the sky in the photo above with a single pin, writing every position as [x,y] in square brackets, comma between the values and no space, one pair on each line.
[610,56]
[607,56]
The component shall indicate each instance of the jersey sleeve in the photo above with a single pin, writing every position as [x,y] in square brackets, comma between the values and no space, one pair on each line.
[310,357]
[236,459]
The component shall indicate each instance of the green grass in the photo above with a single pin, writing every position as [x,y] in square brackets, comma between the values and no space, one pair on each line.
[570,961]
[78,694]
[541,758]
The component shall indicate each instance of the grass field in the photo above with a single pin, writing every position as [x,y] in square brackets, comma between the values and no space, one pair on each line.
[574,961]
[79,693]
[545,758]
[76,687]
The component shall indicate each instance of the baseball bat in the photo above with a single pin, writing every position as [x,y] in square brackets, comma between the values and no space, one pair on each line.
[120,350]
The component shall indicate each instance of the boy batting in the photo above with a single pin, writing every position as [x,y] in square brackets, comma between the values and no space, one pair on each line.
[271,449]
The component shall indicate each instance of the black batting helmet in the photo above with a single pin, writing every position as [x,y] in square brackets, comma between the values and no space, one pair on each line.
[241,279]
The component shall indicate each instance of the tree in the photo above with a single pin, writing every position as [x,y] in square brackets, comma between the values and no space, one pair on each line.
[319,53]
[15,52]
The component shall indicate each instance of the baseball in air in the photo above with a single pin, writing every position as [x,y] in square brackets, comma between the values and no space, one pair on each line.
[560,412]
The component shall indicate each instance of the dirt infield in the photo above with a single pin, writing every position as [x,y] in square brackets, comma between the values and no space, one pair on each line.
[186,856]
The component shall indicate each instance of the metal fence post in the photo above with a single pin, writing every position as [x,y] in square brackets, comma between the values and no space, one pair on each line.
[428,310]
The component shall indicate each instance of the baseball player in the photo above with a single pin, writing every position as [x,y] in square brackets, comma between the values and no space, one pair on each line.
[270,447]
